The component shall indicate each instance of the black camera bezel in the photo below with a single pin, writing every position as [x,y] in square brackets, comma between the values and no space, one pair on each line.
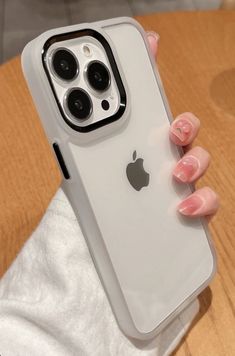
[122,92]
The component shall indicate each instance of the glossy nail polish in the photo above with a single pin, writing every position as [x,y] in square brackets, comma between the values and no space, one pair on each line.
[186,168]
[191,205]
[182,129]
[154,35]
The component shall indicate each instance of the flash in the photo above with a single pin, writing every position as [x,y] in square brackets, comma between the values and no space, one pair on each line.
[87,51]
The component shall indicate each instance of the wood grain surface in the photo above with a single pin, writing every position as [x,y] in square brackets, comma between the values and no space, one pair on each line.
[197,64]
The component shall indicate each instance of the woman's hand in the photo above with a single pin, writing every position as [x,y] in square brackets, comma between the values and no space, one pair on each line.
[184,129]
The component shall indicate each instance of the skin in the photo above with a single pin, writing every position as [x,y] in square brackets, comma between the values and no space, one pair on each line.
[193,165]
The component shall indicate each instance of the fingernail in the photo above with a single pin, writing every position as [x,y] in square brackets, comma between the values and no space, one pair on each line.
[182,129]
[191,205]
[154,35]
[186,168]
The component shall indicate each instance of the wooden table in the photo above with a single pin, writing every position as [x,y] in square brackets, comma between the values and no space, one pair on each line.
[197,64]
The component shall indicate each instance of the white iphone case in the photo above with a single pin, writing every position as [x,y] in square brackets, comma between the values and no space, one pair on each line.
[152,261]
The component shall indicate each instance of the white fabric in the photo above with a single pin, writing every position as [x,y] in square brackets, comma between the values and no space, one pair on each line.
[52,301]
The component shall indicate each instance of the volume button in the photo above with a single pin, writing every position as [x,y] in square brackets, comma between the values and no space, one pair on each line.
[60,160]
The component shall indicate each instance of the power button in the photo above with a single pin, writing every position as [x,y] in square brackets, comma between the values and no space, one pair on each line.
[61,161]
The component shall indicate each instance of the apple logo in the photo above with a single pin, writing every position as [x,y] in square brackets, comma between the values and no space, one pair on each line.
[136,173]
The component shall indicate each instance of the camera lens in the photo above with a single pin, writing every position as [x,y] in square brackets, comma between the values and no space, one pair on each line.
[98,76]
[65,64]
[79,104]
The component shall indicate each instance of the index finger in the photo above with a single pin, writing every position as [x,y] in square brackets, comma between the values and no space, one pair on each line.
[153,39]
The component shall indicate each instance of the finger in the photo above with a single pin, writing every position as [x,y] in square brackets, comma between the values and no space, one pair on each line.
[184,129]
[192,165]
[202,202]
[153,39]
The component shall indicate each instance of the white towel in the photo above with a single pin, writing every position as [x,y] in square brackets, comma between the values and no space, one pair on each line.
[52,302]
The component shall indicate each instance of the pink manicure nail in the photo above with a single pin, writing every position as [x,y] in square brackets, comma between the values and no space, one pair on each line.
[154,35]
[186,168]
[191,205]
[181,129]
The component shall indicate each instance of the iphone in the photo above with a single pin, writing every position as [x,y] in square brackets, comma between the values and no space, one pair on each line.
[102,105]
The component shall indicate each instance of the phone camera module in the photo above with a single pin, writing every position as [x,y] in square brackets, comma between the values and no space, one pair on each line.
[79,104]
[98,76]
[65,64]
